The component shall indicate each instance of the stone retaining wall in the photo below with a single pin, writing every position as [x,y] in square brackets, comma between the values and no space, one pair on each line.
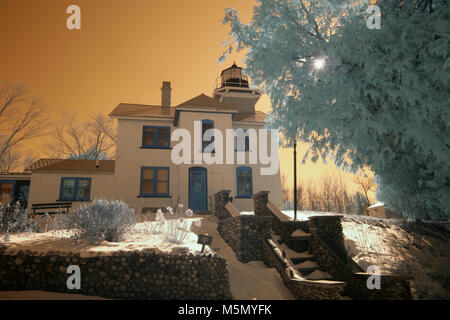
[245,234]
[286,228]
[330,225]
[146,274]
[329,252]
[301,288]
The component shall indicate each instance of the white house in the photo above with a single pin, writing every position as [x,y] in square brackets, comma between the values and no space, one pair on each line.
[144,173]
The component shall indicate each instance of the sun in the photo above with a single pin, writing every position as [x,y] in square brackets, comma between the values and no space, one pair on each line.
[319,63]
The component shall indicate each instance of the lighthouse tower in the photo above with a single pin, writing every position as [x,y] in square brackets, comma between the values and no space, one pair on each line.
[233,89]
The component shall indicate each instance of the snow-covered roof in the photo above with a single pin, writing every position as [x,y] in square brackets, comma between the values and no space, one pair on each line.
[378,204]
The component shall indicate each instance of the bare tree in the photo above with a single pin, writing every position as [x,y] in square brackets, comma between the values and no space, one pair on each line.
[329,194]
[10,160]
[284,189]
[91,139]
[365,182]
[300,196]
[314,201]
[21,118]
[326,191]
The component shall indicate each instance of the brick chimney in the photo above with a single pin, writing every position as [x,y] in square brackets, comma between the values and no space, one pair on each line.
[166,91]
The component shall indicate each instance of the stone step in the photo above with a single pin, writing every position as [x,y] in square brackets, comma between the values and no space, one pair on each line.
[302,259]
[298,244]
[319,275]
[306,267]
[299,234]
[294,255]
[306,271]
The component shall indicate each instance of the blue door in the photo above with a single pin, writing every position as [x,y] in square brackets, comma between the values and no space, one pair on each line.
[198,194]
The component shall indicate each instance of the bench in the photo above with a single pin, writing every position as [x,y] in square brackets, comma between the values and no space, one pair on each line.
[51,208]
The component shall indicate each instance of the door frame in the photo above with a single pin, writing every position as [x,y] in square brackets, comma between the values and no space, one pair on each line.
[203,169]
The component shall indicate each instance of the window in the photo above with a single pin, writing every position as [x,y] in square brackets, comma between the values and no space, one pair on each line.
[6,191]
[75,189]
[154,182]
[239,134]
[155,137]
[206,125]
[244,182]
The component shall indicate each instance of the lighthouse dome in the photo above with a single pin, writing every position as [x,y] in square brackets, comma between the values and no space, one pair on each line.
[233,77]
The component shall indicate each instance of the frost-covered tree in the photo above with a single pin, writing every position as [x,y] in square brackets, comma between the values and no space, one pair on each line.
[376,97]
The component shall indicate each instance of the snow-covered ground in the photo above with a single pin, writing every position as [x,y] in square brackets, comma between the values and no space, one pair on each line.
[385,243]
[301,215]
[140,238]
[368,240]
[248,281]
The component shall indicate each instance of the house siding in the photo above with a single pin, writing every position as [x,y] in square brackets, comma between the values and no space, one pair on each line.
[45,186]
[130,157]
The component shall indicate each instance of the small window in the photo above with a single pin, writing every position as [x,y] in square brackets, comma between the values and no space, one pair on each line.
[156,137]
[6,191]
[244,182]
[154,181]
[75,189]
[206,125]
[242,133]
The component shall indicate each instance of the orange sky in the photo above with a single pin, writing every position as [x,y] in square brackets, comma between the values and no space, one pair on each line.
[122,53]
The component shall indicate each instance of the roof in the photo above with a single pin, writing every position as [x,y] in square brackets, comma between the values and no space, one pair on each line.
[70,165]
[378,204]
[258,116]
[200,103]
[142,110]
[15,176]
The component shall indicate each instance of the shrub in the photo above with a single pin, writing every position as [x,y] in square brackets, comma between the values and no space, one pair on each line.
[103,219]
[173,227]
[14,218]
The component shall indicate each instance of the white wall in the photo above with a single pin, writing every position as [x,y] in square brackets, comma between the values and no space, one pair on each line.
[130,158]
[45,186]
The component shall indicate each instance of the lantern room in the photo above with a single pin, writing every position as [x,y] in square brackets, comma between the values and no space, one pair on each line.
[233,77]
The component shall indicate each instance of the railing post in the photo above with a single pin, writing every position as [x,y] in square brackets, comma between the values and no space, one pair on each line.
[260,200]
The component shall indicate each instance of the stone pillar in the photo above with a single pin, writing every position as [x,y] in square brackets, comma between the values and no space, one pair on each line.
[329,225]
[260,200]
[221,199]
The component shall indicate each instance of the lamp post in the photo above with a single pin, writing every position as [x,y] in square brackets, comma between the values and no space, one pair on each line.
[295,180]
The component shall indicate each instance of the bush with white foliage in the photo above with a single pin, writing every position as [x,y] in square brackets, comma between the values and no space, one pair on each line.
[14,218]
[173,226]
[108,220]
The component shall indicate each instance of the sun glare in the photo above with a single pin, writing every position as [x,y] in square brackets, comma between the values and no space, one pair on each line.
[319,63]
